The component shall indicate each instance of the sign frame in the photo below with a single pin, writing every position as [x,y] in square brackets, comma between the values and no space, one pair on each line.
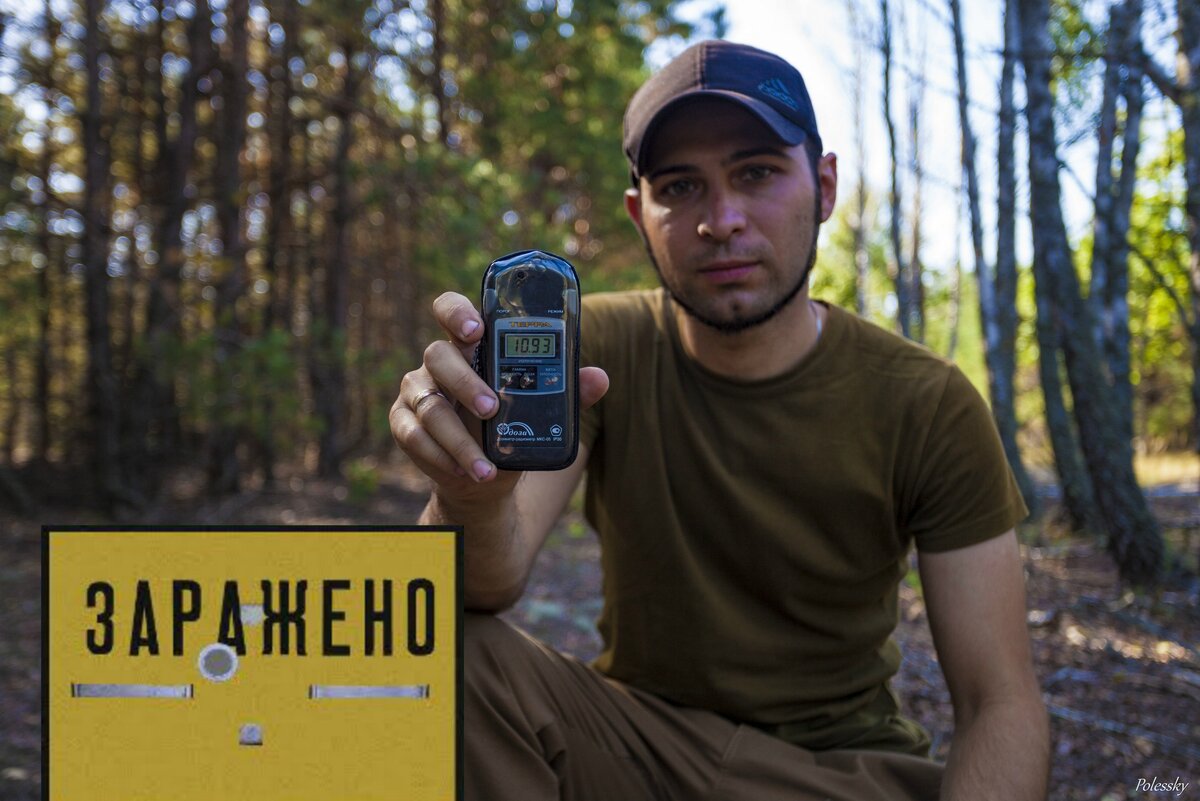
[48,678]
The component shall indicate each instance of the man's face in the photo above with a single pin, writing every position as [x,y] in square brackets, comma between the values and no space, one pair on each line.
[729,213]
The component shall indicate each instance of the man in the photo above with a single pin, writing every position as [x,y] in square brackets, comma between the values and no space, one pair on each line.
[757,473]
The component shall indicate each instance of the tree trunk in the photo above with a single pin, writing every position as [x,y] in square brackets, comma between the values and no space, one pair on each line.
[1134,540]
[1102,234]
[224,471]
[308,244]
[904,301]
[278,312]
[1114,198]
[1117,346]
[916,268]
[955,313]
[12,489]
[41,440]
[12,424]
[281,164]
[331,399]
[436,83]
[862,259]
[1075,485]
[407,211]
[126,141]
[159,413]
[1000,365]
[1188,58]
[105,461]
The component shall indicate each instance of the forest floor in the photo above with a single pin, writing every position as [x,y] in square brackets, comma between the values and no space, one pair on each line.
[1120,673]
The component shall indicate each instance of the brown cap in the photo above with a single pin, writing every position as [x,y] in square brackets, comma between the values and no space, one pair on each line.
[760,82]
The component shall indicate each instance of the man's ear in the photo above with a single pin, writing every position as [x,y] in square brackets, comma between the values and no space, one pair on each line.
[633,207]
[827,177]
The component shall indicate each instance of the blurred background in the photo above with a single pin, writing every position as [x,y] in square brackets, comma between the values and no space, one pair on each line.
[223,222]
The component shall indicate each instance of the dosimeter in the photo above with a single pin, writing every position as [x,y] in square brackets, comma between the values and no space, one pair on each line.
[530,356]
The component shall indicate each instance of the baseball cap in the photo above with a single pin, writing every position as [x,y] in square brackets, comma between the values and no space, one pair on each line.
[761,82]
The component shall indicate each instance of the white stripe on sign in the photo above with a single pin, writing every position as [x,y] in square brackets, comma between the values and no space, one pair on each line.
[368,691]
[131,691]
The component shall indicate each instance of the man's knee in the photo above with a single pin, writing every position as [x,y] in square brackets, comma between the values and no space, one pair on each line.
[485,633]
[504,673]
[489,643]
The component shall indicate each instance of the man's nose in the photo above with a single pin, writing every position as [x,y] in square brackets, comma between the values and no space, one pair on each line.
[723,216]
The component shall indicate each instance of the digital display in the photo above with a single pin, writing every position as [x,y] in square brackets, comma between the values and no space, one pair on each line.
[529,345]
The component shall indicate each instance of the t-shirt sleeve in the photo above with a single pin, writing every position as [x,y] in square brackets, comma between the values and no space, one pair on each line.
[964,491]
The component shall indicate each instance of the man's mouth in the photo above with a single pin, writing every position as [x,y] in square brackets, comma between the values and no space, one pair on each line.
[728,272]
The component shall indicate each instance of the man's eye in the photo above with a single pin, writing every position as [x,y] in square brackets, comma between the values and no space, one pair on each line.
[757,172]
[676,188]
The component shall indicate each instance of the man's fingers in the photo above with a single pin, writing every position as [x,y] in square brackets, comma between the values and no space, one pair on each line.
[420,447]
[427,426]
[441,422]
[445,363]
[593,384]
[458,317]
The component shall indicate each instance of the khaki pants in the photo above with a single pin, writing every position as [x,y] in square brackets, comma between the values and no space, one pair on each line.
[542,726]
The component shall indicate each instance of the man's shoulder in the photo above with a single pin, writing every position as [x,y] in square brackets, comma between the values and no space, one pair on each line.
[629,303]
[904,377]
[887,353]
[613,316]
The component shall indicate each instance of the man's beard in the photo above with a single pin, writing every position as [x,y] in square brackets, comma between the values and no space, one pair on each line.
[739,324]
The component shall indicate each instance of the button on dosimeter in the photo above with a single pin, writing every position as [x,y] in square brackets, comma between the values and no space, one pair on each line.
[218,662]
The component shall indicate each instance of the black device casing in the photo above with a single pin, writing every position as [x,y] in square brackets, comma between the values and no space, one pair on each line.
[537,425]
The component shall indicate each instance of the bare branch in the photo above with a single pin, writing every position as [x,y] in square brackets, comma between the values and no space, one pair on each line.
[1159,77]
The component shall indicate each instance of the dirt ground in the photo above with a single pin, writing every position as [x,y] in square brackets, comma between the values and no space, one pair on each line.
[1120,673]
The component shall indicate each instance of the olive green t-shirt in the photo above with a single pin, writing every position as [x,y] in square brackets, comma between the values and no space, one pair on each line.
[753,534]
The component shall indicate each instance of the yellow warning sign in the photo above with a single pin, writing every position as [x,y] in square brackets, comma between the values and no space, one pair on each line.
[267,664]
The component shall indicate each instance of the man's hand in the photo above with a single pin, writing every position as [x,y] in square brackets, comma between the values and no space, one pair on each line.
[436,421]
[436,417]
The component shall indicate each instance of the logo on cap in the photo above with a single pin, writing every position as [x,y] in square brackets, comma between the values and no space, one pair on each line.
[777,89]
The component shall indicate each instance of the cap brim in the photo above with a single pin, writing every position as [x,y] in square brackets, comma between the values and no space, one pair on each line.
[788,132]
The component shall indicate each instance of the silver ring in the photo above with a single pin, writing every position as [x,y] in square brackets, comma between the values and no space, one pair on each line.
[423,394]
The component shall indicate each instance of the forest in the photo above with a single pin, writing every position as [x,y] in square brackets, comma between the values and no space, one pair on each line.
[222,223]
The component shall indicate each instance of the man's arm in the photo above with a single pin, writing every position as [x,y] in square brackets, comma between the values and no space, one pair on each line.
[976,602]
[436,421]
[502,538]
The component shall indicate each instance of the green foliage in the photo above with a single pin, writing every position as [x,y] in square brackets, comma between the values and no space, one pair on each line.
[912,580]
[534,158]
[1075,67]
[1158,286]
[834,275]
[834,279]
[362,476]
[260,376]
[1076,40]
